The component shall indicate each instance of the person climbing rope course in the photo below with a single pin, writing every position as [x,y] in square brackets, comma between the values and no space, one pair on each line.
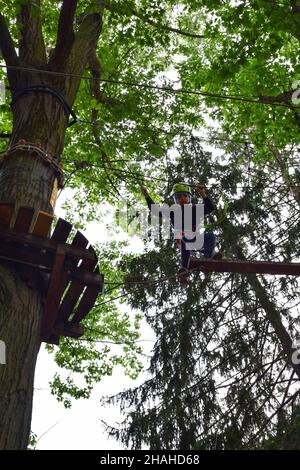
[182,196]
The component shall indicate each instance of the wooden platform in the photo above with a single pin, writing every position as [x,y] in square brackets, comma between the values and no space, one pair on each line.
[74,281]
[237,266]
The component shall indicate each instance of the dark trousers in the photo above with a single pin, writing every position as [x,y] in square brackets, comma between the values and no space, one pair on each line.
[207,249]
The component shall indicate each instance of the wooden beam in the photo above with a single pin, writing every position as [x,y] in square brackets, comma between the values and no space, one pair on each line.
[44,262]
[6,212]
[27,255]
[24,219]
[245,266]
[88,278]
[42,224]
[87,302]
[75,290]
[33,241]
[63,328]
[57,282]
[62,231]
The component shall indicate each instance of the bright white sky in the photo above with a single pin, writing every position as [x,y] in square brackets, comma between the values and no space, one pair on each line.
[80,427]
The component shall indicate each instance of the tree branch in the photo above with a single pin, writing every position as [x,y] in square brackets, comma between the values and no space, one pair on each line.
[109,6]
[65,35]
[282,405]
[7,45]
[283,167]
[295,7]
[167,28]
[96,69]
[86,40]
[7,48]
[31,47]
[295,10]
[285,97]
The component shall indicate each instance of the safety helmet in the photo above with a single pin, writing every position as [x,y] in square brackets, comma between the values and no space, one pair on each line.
[181,188]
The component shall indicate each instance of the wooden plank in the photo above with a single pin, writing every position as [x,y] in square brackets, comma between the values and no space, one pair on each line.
[8,235]
[58,278]
[61,231]
[43,261]
[86,277]
[24,219]
[80,241]
[244,266]
[70,300]
[63,328]
[58,283]
[42,224]
[6,212]
[26,255]
[75,290]
[53,339]
[87,301]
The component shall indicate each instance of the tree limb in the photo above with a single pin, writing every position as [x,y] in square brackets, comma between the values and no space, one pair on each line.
[7,48]
[109,6]
[86,40]
[7,45]
[295,10]
[31,46]
[96,69]
[65,35]
[282,405]
[295,7]
[105,160]
[121,61]
[285,97]
[167,28]
[288,180]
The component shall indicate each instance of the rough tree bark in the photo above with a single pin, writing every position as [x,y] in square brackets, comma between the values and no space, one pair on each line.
[25,180]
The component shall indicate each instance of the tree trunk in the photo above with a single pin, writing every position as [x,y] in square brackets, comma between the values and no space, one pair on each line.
[24,177]
[20,316]
[25,180]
